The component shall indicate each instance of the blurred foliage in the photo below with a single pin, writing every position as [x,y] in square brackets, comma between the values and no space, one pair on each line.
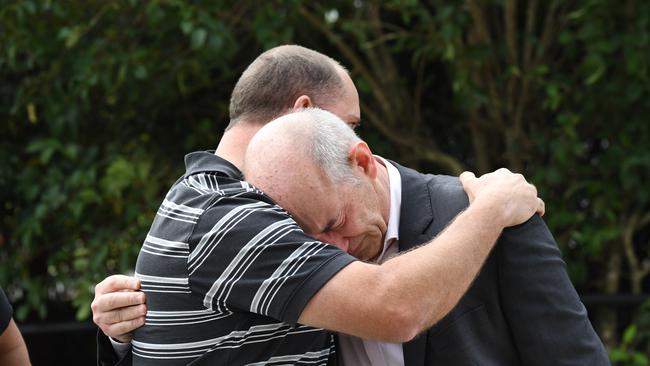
[634,349]
[99,101]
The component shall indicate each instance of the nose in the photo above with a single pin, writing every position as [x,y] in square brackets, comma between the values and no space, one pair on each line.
[335,239]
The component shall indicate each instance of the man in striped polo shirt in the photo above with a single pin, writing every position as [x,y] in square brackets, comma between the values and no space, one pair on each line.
[230,277]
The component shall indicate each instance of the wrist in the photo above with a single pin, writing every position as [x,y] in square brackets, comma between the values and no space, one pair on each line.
[120,348]
[488,211]
[124,339]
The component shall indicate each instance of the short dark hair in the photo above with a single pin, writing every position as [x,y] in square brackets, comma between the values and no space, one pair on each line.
[272,83]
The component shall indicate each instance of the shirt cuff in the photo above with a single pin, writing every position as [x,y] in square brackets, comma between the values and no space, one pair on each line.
[121,349]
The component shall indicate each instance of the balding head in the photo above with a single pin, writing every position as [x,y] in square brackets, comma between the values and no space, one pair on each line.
[309,137]
[314,166]
[271,84]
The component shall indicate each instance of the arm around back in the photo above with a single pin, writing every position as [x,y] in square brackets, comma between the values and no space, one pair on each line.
[406,295]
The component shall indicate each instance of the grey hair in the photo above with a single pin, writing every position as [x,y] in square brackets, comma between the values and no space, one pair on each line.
[329,144]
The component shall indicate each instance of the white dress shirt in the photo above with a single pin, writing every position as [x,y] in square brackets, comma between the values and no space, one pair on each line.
[360,352]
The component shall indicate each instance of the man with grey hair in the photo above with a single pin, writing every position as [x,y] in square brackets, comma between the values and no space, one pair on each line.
[311,164]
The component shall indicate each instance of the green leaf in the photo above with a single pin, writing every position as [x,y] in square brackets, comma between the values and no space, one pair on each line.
[199,36]
[596,75]
[187,26]
[71,151]
[83,312]
[629,334]
[140,72]
[450,52]
[639,359]
[119,175]
[73,36]
[21,312]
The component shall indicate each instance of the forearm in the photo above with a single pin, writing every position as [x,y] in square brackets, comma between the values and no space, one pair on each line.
[429,281]
[407,294]
[396,300]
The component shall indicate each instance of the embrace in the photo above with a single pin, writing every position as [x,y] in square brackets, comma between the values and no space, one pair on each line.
[293,244]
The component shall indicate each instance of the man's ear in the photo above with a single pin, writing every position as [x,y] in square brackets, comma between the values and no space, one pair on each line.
[361,158]
[303,101]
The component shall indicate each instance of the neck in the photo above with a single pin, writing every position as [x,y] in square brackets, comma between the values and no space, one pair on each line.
[234,142]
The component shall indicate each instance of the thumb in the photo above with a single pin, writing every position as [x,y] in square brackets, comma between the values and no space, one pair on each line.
[466,178]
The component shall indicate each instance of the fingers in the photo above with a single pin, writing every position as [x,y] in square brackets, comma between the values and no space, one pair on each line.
[118,308]
[118,314]
[541,209]
[122,331]
[116,300]
[122,315]
[116,283]
[466,177]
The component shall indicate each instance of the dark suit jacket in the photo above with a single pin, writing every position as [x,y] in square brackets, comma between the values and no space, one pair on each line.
[521,309]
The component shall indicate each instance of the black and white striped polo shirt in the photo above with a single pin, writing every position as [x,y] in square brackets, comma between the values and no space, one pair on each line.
[227,273]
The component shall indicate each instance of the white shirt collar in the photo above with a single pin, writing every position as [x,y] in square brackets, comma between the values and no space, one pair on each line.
[395,188]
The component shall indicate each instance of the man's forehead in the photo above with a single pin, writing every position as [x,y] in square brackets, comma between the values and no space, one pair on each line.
[350,116]
[347,102]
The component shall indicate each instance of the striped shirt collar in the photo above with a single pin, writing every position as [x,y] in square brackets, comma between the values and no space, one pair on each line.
[207,161]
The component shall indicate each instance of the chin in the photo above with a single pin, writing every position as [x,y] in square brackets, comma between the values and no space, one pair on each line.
[370,256]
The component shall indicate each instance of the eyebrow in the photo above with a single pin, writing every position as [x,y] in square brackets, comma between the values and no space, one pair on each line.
[354,123]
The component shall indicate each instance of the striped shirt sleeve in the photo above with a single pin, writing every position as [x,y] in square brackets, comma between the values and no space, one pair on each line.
[249,255]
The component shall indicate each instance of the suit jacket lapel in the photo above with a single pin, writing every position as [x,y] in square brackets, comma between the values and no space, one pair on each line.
[416,213]
[416,216]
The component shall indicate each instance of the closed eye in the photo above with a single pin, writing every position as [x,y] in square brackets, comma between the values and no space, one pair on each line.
[329,226]
[335,224]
